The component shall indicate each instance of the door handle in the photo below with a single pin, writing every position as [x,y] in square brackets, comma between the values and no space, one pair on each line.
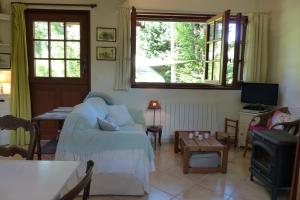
[83,67]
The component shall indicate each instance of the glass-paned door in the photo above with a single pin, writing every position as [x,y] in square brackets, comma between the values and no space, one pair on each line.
[58,59]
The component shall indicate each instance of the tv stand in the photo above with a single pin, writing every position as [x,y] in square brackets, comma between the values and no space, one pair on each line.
[257,107]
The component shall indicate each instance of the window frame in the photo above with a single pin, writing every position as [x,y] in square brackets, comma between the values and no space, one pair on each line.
[182,17]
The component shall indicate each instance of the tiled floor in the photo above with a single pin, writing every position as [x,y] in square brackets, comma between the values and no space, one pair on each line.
[169,183]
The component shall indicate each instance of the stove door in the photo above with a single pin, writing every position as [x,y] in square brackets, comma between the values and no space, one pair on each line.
[262,160]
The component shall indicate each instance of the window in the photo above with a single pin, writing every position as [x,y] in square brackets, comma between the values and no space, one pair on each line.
[186,50]
[56,49]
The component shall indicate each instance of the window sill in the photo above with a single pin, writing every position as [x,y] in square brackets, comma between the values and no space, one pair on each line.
[184,86]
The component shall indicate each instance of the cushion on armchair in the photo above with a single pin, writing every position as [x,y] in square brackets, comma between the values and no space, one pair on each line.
[279,117]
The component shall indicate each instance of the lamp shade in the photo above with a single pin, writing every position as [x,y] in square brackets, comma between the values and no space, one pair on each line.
[154,104]
[5,81]
[5,76]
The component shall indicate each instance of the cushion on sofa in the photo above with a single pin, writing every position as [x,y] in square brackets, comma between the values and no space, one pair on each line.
[120,114]
[108,124]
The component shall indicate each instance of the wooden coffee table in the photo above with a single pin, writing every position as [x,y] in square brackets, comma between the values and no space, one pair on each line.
[210,144]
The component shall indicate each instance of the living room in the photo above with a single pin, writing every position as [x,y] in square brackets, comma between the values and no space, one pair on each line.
[282,68]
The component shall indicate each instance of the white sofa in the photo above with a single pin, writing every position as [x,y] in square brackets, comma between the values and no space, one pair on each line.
[123,159]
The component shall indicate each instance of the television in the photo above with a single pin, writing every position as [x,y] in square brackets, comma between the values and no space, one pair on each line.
[259,93]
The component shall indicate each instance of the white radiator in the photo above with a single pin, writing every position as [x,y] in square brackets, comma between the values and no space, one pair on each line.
[187,116]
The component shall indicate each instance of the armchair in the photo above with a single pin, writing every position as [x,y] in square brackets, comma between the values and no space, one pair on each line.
[264,122]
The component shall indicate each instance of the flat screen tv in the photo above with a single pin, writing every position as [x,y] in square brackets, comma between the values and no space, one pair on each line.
[260,93]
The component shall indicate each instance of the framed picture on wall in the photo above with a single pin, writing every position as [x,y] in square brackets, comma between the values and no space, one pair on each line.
[106,53]
[106,34]
[4,61]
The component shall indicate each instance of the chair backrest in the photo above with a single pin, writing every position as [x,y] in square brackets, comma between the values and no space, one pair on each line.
[84,184]
[9,122]
[230,123]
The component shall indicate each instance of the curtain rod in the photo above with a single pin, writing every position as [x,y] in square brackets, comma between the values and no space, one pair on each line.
[56,4]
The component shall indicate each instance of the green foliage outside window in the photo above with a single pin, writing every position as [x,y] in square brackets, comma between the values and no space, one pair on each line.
[41,51]
[180,43]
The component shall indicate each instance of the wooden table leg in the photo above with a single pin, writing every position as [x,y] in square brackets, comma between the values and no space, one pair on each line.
[154,134]
[176,142]
[185,160]
[159,137]
[224,159]
[39,148]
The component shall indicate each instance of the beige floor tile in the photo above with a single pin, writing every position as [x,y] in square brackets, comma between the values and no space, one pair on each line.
[249,190]
[98,198]
[173,184]
[177,171]
[155,194]
[199,193]
[221,183]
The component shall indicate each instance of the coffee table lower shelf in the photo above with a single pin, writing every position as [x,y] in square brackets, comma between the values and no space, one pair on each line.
[189,146]
[187,169]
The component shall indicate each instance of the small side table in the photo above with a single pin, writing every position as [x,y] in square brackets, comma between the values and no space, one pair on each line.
[58,115]
[155,130]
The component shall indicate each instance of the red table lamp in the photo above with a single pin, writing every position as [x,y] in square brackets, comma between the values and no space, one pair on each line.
[154,105]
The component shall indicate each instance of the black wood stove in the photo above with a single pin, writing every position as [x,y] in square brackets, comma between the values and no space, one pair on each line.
[272,162]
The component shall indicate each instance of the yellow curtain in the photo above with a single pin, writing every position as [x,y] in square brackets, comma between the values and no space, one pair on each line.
[257,52]
[20,95]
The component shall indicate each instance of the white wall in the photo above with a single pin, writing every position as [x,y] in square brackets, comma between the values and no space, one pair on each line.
[103,72]
[228,101]
[286,55]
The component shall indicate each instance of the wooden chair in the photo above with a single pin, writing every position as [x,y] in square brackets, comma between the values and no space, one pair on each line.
[9,122]
[262,121]
[84,184]
[227,136]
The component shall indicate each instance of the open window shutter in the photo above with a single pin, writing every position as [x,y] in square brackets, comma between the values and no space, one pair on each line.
[237,48]
[217,49]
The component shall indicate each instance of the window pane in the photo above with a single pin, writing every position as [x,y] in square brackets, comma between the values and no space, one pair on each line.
[73,68]
[41,68]
[217,70]
[57,50]
[57,68]
[229,74]
[41,49]
[218,30]
[218,50]
[73,30]
[211,31]
[210,51]
[57,30]
[209,71]
[73,50]
[170,52]
[40,30]
[231,48]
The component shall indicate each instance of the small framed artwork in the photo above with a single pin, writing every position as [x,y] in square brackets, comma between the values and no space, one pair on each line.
[106,34]
[106,53]
[4,61]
